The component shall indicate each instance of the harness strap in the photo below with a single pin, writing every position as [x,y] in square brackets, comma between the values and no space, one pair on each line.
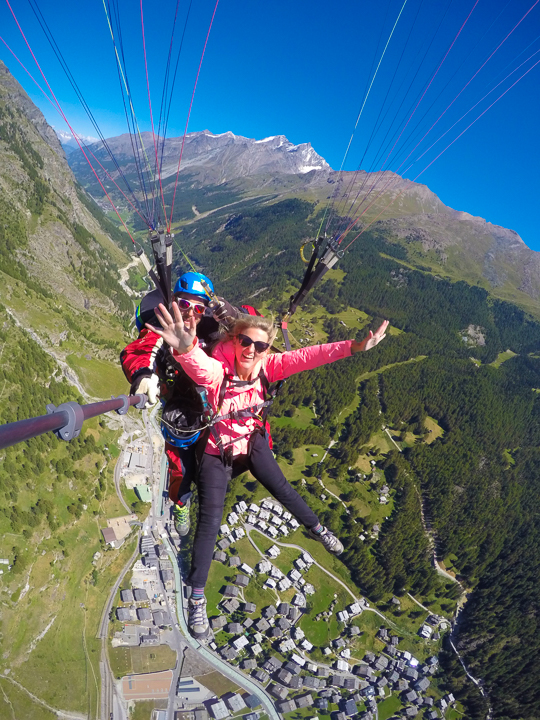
[252,412]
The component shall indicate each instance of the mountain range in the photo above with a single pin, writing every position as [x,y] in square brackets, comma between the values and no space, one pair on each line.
[221,172]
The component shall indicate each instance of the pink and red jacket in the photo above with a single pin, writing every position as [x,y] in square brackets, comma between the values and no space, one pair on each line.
[211,371]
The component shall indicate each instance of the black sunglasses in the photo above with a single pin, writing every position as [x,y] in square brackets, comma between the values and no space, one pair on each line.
[246,341]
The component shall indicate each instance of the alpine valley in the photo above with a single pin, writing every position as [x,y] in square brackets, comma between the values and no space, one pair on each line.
[422,455]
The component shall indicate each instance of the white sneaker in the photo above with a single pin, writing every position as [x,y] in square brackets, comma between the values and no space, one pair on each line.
[328,539]
[198,625]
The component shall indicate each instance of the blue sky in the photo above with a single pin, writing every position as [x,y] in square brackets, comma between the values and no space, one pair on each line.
[302,70]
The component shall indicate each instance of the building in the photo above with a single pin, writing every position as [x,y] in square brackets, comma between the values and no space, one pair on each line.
[235,702]
[144,614]
[126,596]
[240,642]
[220,556]
[219,710]
[230,591]
[124,614]
[231,605]
[252,701]
[249,607]
[218,622]
[279,691]
[241,580]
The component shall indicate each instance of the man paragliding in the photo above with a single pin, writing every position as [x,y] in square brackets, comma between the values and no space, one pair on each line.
[151,368]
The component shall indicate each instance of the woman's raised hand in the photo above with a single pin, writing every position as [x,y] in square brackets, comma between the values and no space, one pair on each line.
[374,338]
[178,332]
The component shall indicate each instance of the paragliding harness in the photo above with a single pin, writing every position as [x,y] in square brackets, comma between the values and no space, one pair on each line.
[259,412]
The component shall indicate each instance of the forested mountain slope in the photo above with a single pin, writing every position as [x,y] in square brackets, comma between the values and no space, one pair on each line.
[63,313]
[479,482]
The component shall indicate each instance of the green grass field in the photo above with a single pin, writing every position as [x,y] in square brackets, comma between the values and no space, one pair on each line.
[137,660]
[100,378]
[502,357]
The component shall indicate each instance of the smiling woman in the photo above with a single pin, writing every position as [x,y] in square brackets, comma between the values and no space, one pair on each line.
[236,379]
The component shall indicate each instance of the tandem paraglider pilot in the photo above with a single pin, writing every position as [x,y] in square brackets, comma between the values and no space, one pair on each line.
[151,369]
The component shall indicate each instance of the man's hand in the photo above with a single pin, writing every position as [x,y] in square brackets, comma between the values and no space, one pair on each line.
[371,340]
[178,332]
[150,387]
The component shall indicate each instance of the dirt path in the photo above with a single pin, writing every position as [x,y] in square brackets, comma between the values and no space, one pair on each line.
[60,713]
[67,372]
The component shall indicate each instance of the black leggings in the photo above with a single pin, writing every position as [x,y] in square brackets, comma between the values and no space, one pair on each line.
[212,483]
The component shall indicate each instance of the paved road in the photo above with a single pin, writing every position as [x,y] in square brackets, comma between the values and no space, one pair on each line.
[220,665]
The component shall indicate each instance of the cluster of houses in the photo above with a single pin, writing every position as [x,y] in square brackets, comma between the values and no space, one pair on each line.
[138,607]
[253,635]
[233,703]
[298,683]
[269,517]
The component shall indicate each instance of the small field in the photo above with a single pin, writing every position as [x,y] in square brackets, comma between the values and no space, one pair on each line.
[217,683]
[100,378]
[502,357]
[137,660]
[436,430]
[143,709]
[388,707]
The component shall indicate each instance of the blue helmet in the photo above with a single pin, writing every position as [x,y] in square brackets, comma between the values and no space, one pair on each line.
[190,282]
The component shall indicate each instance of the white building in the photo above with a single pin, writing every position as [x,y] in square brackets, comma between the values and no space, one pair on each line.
[240,642]
[298,660]
[278,509]
[294,575]
[272,531]
[264,515]
[274,551]
[276,520]
[254,508]
[256,649]
[270,583]
[232,518]
[294,523]
[307,645]
[300,564]
[264,567]
[298,633]
[299,600]
[267,504]
[287,646]
[224,530]
[354,609]
[342,666]
[248,570]
[309,589]
[342,616]
[262,525]
[284,584]
[284,530]
[287,516]
[276,572]
[251,519]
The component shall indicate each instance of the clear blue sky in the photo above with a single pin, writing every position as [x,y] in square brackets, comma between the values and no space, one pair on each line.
[301,69]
